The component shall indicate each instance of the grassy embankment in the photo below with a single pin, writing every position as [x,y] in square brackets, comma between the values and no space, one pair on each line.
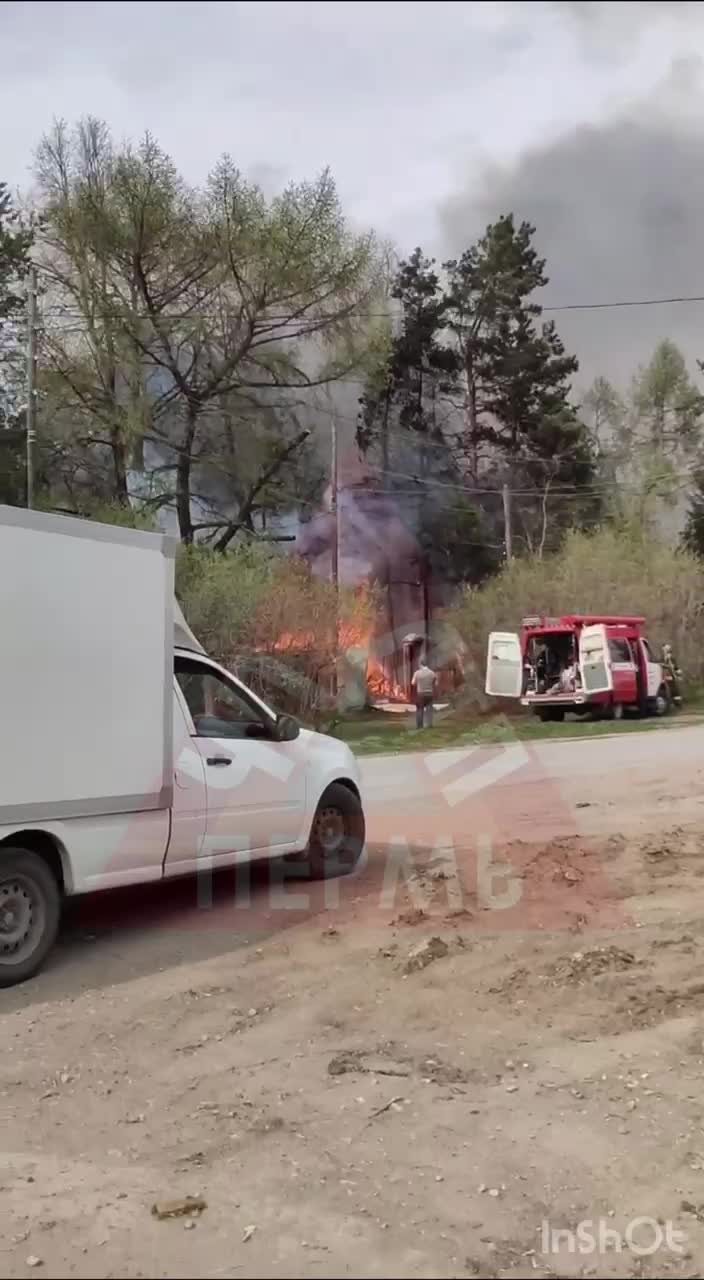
[371,732]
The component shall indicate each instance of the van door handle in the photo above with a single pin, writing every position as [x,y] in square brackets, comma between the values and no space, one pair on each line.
[219,760]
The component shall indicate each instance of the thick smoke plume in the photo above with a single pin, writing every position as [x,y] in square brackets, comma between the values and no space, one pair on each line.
[618,210]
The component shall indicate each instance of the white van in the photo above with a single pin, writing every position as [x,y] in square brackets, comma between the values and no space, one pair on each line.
[126,754]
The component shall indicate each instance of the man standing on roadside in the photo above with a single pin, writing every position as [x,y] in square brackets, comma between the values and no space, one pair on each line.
[423,682]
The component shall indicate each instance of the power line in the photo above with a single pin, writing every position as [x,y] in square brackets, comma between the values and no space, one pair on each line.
[196,313]
[554,491]
[631,302]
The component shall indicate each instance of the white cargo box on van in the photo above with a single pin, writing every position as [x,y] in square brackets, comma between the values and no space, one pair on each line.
[86,668]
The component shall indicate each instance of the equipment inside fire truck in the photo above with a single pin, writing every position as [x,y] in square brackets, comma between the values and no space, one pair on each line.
[580,663]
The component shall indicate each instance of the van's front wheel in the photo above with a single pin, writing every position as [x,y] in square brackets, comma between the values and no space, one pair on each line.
[30,907]
[337,835]
[662,702]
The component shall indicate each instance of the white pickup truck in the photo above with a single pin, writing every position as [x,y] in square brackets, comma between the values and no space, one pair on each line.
[126,754]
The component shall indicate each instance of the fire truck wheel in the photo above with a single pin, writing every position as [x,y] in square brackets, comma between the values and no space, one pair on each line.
[662,702]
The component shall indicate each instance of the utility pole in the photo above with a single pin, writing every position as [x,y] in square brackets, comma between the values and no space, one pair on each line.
[426,609]
[334,504]
[385,440]
[508,531]
[31,379]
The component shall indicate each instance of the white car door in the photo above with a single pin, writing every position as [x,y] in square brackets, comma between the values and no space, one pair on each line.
[595,660]
[256,786]
[189,811]
[504,665]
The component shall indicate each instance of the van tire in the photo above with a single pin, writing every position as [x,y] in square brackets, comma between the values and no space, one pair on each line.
[662,702]
[337,835]
[30,910]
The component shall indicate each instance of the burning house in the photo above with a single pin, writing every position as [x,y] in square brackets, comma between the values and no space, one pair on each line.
[377,545]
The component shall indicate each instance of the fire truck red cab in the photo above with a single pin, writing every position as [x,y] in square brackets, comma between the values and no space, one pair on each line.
[580,663]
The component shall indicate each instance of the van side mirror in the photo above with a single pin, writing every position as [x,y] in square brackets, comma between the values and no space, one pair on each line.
[286,729]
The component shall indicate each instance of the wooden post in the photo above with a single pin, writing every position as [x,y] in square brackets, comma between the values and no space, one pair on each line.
[508,531]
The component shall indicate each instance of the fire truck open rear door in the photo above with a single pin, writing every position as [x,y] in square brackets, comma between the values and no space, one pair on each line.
[504,665]
[594,660]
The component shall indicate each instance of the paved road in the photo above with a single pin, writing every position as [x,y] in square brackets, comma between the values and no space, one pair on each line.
[530,786]
[522,791]
[390,777]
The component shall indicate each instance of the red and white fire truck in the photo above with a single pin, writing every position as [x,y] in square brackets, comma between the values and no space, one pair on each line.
[581,663]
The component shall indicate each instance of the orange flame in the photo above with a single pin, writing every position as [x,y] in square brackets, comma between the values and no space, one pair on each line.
[379,682]
[381,685]
[294,641]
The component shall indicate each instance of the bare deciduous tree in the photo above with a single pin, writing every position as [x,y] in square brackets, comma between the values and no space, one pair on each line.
[194,323]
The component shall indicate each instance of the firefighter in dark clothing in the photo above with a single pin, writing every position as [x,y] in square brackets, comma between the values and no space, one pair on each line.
[672,672]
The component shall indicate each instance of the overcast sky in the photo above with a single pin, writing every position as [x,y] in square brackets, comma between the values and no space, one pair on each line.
[585,117]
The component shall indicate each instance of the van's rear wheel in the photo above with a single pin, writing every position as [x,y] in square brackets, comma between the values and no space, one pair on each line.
[337,835]
[30,907]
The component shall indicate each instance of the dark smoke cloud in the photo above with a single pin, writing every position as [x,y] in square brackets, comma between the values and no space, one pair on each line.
[592,15]
[606,30]
[619,212]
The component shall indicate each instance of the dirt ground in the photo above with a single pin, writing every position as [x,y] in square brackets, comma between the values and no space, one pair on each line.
[350,1098]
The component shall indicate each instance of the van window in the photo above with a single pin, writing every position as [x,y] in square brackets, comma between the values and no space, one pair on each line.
[504,650]
[620,651]
[218,708]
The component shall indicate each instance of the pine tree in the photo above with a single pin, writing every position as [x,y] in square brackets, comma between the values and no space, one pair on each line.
[483,387]
[667,407]
[419,367]
[514,373]
[515,384]
[693,535]
[404,417]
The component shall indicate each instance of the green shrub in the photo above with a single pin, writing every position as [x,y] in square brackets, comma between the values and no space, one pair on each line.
[266,617]
[221,594]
